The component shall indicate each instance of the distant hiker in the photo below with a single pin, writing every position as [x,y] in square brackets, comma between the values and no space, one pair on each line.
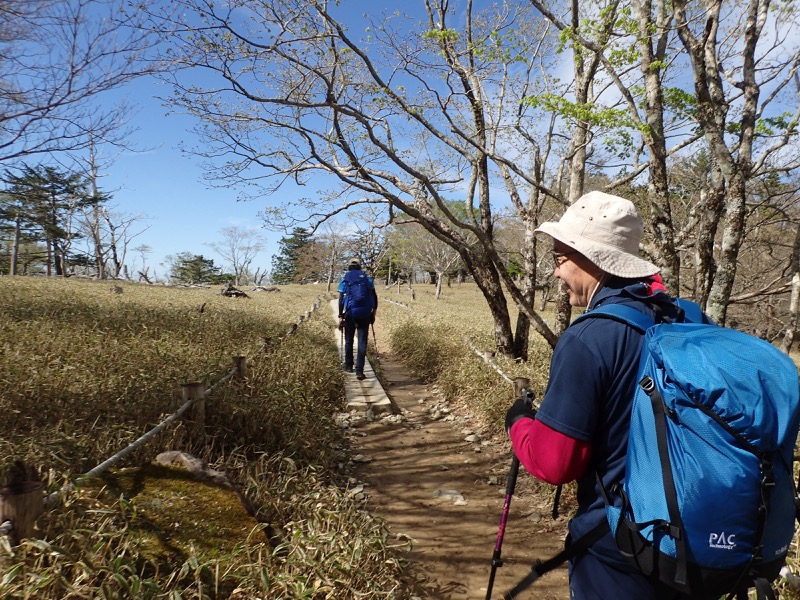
[581,429]
[358,303]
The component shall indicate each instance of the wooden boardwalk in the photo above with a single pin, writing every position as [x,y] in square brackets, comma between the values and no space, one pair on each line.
[367,393]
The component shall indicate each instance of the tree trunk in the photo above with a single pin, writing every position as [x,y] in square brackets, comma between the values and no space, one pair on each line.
[655,26]
[794,299]
[527,286]
[15,250]
[794,302]
[488,282]
[49,245]
[711,207]
[731,242]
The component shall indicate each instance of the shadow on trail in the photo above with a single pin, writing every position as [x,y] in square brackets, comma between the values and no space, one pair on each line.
[415,469]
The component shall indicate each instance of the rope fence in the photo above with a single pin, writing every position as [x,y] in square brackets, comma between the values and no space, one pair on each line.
[488,359]
[483,354]
[194,396]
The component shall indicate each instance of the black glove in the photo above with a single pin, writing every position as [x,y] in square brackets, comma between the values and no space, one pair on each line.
[519,410]
[341,323]
[372,318]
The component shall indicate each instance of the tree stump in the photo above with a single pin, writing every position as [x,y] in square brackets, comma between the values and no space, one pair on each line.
[232,292]
[21,503]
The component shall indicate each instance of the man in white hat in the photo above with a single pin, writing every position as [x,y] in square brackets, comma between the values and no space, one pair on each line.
[581,427]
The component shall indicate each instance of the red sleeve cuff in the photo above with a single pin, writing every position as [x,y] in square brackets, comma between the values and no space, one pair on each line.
[547,454]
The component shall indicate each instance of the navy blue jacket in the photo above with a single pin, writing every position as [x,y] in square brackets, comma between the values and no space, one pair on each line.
[589,396]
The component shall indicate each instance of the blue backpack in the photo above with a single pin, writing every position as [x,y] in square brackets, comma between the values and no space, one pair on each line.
[359,301]
[708,501]
[708,504]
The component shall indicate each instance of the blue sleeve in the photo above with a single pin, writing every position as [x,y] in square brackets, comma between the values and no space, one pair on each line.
[570,405]
[341,289]
[592,382]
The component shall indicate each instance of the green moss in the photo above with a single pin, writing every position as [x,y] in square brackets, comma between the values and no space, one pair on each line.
[177,516]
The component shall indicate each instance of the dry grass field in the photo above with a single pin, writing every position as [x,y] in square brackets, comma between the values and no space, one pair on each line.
[85,370]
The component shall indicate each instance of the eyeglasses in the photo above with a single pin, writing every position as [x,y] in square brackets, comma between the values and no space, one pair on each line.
[559,258]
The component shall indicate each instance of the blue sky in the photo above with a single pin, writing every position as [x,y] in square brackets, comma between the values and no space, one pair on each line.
[165,186]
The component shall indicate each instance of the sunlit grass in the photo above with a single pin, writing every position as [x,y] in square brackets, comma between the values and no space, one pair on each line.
[85,370]
[437,339]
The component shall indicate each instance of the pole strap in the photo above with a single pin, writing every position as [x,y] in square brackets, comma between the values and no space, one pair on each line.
[539,568]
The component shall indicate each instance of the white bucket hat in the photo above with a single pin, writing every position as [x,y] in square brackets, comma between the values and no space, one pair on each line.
[607,230]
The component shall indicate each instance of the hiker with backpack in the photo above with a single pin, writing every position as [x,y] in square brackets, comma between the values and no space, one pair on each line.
[358,304]
[581,430]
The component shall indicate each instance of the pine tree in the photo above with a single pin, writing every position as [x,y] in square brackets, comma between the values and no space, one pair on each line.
[38,205]
[285,268]
[194,268]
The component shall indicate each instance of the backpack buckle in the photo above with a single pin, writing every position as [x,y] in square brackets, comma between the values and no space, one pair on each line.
[767,474]
[647,384]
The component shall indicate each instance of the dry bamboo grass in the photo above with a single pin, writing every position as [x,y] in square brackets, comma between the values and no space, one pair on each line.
[85,371]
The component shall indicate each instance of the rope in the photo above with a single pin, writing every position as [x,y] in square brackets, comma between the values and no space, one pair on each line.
[146,437]
[488,360]
[396,303]
[224,379]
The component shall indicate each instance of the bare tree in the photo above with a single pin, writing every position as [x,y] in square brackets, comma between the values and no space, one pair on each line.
[461,103]
[415,112]
[57,59]
[369,238]
[336,242]
[144,250]
[437,257]
[110,234]
[739,110]
[239,247]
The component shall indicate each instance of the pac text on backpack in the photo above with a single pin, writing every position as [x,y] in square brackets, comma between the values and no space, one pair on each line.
[708,504]
[358,300]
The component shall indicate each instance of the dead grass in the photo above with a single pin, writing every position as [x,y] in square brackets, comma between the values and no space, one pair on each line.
[85,371]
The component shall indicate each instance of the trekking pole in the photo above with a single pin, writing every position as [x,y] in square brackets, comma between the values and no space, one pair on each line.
[374,339]
[341,342]
[511,483]
[520,385]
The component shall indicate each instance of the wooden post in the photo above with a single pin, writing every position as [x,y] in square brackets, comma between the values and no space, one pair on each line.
[520,383]
[21,503]
[194,391]
[240,362]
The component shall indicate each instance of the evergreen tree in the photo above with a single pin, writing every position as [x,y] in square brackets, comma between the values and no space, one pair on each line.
[285,265]
[195,268]
[38,206]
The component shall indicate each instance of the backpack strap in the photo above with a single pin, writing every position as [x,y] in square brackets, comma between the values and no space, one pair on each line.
[692,313]
[689,312]
[622,313]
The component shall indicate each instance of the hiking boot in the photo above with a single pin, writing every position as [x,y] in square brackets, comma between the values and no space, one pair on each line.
[359,375]
[347,369]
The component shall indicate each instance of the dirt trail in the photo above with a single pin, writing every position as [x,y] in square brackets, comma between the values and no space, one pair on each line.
[415,467]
